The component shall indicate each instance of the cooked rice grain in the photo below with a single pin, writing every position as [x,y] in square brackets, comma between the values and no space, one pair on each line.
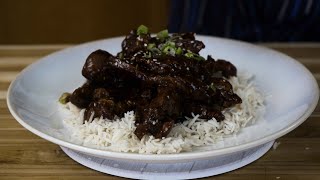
[118,135]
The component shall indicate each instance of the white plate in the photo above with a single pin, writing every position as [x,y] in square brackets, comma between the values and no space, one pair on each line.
[292,96]
[186,170]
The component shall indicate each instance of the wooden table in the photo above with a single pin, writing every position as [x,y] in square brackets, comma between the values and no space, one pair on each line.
[24,155]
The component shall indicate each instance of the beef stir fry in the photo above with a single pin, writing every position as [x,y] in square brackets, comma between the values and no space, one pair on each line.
[162,78]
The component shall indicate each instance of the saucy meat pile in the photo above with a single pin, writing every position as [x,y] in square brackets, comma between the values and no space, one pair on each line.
[161,78]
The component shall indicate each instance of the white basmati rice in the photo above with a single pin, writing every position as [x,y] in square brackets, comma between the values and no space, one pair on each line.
[118,135]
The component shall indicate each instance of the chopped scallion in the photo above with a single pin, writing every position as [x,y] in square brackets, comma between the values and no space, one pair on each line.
[169,50]
[167,44]
[162,35]
[120,55]
[179,51]
[198,57]
[151,46]
[147,54]
[195,56]
[189,54]
[142,29]
[213,87]
[64,98]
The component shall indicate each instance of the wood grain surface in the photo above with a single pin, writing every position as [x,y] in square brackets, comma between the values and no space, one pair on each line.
[24,155]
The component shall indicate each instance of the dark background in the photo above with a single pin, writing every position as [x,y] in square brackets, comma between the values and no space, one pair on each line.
[76,21]
[71,21]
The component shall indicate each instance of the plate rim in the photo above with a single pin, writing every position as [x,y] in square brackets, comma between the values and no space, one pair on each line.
[160,158]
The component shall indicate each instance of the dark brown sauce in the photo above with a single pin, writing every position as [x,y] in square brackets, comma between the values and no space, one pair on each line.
[162,80]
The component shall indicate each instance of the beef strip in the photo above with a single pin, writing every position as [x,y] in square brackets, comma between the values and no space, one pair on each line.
[103,68]
[161,88]
[168,99]
[82,96]
[100,108]
[134,43]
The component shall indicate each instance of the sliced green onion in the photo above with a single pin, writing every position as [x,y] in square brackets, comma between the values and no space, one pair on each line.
[155,50]
[64,98]
[179,51]
[192,55]
[189,54]
[169,50]
[162,35]
[147,54]
[213,87]
[168,44]
[121,55]
[142,29]
[151,46]
[198,57]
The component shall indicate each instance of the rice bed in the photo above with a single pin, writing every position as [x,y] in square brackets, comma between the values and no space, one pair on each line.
[118,134]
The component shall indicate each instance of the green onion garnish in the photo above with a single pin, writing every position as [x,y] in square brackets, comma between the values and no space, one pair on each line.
[195,56]
[151,46]
[64,98]
[189,54]
[142,29]
[198,57]
[179,51]
[213,87]
[168,44]
[121,55]
[147,54]
[162,35]
[169,50]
